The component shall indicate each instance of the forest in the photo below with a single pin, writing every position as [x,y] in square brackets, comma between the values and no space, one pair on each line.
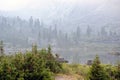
[19,34]
[59,40]
[37,31]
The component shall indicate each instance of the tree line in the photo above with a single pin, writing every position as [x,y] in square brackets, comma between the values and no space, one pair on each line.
[17,31]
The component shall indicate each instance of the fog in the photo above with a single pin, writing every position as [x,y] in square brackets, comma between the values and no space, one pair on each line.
[82,28]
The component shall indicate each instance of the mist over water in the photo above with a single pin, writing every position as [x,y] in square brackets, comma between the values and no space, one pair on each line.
[77,30]
[84,53]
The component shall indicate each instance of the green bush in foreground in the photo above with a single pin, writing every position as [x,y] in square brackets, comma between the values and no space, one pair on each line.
[97,72]
[117,75]
[34,65]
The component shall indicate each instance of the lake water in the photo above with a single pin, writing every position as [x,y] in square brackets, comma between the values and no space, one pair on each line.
[84,52]
[88,51]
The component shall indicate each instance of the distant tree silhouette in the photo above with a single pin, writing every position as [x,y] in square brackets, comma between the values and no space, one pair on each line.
[88,31]
[78,34]
[31,21]
[103,32]
[37,23]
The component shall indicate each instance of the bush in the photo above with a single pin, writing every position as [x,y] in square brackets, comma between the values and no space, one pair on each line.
[50,61]
[35,65]
[67,69]
[97,72]
[117,75]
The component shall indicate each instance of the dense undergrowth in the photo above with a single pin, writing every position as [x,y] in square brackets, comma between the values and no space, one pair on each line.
[42,65]
[32,65]
[96,71]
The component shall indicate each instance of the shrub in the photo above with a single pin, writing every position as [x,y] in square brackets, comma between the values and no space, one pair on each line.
[117,75]
[97,72]
[28,66]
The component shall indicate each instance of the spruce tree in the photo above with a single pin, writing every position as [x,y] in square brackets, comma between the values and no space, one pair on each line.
[34,48]
[49,49]
[1,48]
[118,72]
[96,71]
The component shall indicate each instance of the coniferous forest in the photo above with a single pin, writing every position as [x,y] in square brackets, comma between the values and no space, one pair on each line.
[19,34]
[24,32]
[59,39]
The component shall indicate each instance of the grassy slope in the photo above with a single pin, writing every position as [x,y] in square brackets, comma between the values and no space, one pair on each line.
[78,71]
[73,72]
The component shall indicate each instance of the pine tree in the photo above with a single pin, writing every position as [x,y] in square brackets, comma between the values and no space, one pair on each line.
[34,48]
[49,49]
[88,31]
[1,48]
[31,21]
[78,32]
[103,32]
[96,71]
[118,72]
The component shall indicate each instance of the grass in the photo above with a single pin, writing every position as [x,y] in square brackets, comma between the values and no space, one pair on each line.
[78,71]
[81,72]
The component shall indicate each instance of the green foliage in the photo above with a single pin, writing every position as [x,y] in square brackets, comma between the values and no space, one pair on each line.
[34,48]
[51,62]
[97,72]
[75,69]
[49,49]
[1,48]
[110,70]
[67,69]
[54,66]
[117,75]
[113,71]
[35,65]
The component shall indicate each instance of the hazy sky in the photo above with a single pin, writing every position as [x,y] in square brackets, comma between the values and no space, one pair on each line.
[101,11]
[60,9]
[11,5]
